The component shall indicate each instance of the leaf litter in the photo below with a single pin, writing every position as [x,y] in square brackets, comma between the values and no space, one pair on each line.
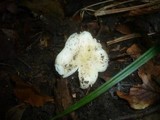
[27,27]
[29,94]
[143,95]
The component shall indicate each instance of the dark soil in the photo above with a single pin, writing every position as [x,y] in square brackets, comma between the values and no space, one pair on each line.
[23,53]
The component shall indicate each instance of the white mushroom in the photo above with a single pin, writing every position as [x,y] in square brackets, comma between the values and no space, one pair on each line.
[83,53]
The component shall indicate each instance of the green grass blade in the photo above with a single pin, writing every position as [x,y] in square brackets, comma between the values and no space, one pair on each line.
[110,83]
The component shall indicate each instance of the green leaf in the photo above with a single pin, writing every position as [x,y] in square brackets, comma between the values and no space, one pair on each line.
[114,80]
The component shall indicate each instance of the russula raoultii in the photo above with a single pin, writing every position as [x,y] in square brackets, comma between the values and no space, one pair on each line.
[82,52]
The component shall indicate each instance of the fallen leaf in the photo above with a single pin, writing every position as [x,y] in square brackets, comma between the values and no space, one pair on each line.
[134,51]
[28,93]
[144,95]
[149,68]
[77,18]
[124,29]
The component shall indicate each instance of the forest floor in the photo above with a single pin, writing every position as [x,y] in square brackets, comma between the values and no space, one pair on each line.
[32,33]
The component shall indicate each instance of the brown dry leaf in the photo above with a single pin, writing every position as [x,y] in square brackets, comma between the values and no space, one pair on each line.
[144,95]
[29,94]
[124,29]
[149,68]
[77,18]
[134,51]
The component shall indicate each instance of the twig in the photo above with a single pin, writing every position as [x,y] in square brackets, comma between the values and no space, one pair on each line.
[85,8]
[95,4]
[123,38]
[114,5]
[119,10]
[145,10]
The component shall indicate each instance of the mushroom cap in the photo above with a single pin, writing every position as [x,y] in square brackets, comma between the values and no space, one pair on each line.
[83,53]
[64,63]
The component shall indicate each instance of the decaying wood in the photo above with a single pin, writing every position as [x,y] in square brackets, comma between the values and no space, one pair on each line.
[63,98]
